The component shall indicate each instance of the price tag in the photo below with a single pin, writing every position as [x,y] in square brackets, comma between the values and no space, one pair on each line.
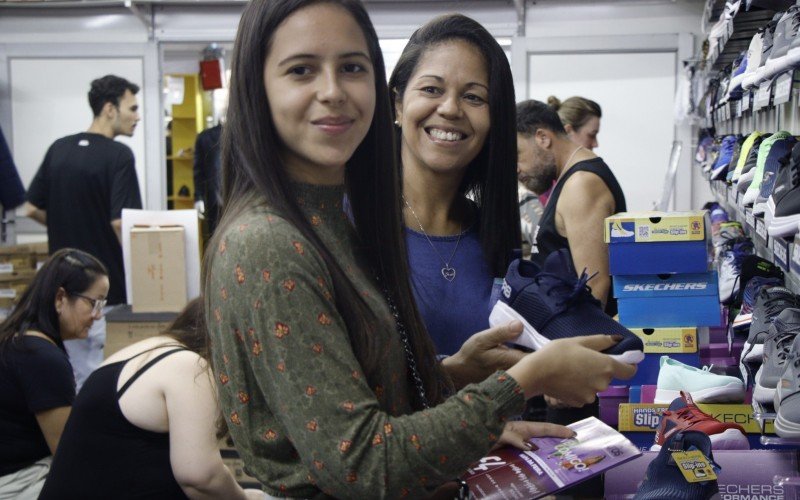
[795,264]
[780,249]
[761,230]
[8,293]
[694,466]
[738,108]
[762,96]
[749,218]
[783,89]
[7,268]
[746,100]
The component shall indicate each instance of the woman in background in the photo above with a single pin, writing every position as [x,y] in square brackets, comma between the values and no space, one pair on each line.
[145,424]
[37,387]
[581,119]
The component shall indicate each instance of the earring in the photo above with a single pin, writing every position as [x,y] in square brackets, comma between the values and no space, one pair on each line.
[397,123]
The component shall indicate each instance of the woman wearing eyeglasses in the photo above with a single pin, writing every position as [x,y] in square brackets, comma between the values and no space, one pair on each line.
[37,386]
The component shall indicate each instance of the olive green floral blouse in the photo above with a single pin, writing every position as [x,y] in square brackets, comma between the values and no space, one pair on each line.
[299,408]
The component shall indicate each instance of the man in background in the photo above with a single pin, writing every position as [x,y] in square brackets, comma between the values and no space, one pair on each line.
[82,185]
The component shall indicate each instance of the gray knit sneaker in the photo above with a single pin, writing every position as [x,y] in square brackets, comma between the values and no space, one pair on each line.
[769,303]
[777,346]
[787,395]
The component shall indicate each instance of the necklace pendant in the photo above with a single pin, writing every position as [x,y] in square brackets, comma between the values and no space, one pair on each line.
[449,273]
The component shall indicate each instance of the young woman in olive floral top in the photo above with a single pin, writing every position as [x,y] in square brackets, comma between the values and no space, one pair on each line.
[327,378]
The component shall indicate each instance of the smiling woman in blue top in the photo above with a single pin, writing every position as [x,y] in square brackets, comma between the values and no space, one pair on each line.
[454,110]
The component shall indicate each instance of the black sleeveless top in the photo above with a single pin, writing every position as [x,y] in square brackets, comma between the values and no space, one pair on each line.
[547,238]
[102,455]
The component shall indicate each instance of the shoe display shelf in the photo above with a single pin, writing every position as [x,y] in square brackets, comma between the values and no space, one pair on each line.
[773,105]
[739,33]
[783,252]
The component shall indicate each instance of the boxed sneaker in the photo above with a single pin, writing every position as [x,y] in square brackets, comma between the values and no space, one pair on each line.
[638,422]
[668,300]
[659,242]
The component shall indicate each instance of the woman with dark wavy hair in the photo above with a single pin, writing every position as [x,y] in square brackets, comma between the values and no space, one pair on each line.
[454,113]
[37,386]
[327,378]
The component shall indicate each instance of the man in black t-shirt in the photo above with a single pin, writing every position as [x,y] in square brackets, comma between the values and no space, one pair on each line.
[79,192]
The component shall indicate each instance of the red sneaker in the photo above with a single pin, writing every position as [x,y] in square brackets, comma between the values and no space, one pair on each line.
[684,415]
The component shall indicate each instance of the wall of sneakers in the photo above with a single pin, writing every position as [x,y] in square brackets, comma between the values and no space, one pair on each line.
[737,382]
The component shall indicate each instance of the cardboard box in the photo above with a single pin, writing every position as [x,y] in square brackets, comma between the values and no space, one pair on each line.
[658,242]
[124,327]
[668,300]
[158,269]
[667,340]
[13,285]
[21,258]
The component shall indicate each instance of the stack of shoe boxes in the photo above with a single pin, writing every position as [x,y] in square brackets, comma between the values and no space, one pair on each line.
[660,264]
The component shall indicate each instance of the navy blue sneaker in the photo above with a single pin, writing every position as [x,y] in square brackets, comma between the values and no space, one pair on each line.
[554,303]
[664,480]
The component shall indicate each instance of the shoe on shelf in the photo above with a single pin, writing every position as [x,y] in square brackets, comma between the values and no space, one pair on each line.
[737,75]
[777,346]
[765,155]
[787,179]
[728,231]
[768,41]
[787,395]
[753,59]
[785,33]
[749,145]
[752,266]
[770,302]
[684,415]
[772,173]
[726,150]
[786,200]
[749,169]
[730,267]
[554,303]
[781,148]
[663,480]
[744,318]
[704,386]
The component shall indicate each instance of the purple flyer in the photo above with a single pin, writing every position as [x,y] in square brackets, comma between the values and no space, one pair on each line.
[553,464]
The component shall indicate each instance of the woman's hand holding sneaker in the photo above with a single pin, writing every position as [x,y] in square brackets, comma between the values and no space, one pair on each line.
[571,370]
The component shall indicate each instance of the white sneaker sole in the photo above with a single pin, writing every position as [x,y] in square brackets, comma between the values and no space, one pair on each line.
[784,226]
[752,352]
[502,313]
[785,428]
[729,393]
[731,439]
[764,395]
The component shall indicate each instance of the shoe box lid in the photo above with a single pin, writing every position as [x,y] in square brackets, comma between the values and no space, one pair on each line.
[667,340]
[653,227]
[665,285]
[640,417]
